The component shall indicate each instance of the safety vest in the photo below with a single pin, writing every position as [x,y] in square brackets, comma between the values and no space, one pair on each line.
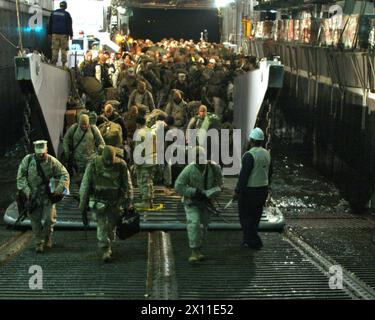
[107,182]
[259,174]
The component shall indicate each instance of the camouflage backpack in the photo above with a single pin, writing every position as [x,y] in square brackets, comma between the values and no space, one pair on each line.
[111,133]
[93,117]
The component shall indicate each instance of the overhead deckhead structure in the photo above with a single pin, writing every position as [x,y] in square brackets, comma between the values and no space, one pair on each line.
[170,4]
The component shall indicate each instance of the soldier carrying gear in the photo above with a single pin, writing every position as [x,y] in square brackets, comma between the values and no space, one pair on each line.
[30,180]
[107,190]
[111,114]
[182,84]
[198,183]
[177,108]
[204,121]
[145,161]
[142,98]
[82,142]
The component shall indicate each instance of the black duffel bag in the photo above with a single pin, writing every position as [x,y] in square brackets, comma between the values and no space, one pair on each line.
[54,197]
[128,224]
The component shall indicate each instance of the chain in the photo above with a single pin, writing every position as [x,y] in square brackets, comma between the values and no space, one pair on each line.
[268,145]
[27,125]
[269,125]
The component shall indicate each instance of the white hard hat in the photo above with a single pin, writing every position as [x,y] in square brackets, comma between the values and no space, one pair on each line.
[256,134]
[212,61]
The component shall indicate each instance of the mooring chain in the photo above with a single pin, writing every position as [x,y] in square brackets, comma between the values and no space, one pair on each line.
[268,146]
[27,125]
[268,128]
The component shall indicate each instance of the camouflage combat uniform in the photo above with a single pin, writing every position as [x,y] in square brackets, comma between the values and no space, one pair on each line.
[86,149]
[146,170]
[107,190]
[29,181]
[197,215]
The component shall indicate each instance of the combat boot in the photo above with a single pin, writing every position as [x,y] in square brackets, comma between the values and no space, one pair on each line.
[39,248]
[194,256]
[200,256]
[151,204]
[48,241]
[107,255]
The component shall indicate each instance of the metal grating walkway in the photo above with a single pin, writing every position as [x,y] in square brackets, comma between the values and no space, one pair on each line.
[73,269]
[349,242]
[278,271]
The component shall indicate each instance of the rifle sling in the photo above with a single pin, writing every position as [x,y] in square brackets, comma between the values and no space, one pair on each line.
[41,172]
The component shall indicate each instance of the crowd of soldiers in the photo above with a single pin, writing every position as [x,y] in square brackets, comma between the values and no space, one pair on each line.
[169,84]
[127,96]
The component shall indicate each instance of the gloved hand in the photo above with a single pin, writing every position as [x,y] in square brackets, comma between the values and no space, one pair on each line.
[200,196]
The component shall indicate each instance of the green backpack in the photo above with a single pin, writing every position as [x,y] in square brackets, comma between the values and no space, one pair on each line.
[111,133]
[93,117]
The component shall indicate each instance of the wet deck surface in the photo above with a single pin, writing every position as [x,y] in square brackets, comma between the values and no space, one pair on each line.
[72,269]
[349,242]
[278,271]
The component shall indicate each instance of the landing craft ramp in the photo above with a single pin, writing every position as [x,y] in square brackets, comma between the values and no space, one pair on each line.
[47,90]
[171,217]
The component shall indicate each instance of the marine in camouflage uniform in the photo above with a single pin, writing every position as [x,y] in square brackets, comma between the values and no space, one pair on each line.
[84,141]
[31,184]
[177,108]
[197,184]
[142,98]
[145,162]
[107,189]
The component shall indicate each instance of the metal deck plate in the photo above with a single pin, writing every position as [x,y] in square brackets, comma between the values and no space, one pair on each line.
[278,271]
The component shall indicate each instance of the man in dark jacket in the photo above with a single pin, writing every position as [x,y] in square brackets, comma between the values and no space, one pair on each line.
[252,188]
[60,28]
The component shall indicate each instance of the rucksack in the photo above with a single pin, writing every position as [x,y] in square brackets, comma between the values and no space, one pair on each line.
[111,133]
[93,117]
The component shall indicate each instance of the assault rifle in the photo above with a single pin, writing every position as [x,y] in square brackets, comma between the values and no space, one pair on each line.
[25,207]
[202,198]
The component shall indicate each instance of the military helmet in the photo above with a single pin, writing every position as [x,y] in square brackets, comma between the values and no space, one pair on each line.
[108,155]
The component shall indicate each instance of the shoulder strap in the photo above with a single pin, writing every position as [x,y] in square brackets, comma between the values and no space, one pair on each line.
[80,140]
[28,165]
[206,174]
[40,171]
[144,97]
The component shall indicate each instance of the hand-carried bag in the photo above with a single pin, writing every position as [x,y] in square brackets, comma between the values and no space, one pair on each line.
[128,224]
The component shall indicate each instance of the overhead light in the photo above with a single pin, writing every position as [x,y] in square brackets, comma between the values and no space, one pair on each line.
[273,11]
[121,10]
[223,3]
